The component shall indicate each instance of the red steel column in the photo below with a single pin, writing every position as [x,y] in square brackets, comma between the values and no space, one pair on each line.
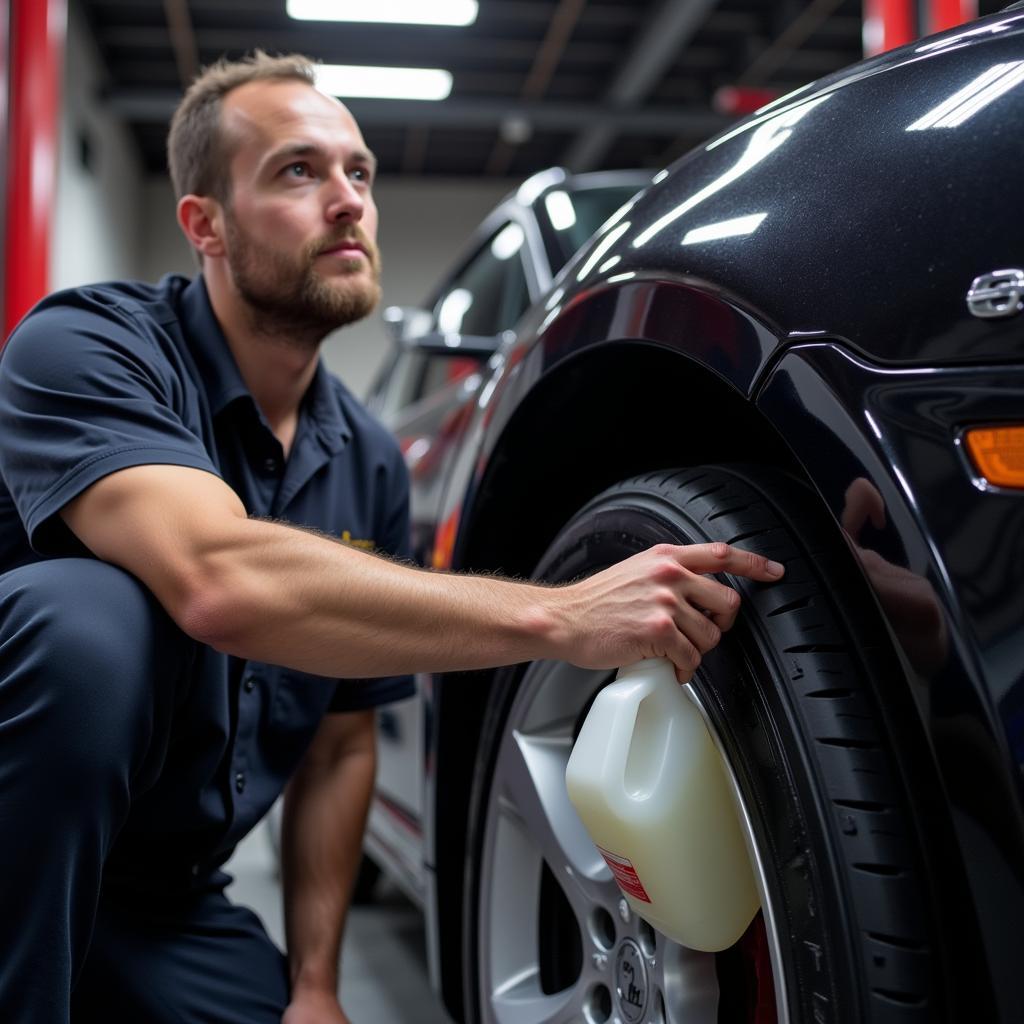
[888,24]
[5,18]
[37,31]
[942,14]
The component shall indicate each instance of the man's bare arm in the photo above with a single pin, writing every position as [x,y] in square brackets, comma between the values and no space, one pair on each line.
[268,592]
[325,810]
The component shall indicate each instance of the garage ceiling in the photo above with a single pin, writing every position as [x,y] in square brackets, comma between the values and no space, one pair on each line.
[587,84]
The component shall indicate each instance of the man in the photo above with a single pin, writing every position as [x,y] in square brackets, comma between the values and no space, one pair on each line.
[181,635]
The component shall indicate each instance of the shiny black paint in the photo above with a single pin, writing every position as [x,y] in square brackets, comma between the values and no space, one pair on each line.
[871,232]
[845,420]
[838,324]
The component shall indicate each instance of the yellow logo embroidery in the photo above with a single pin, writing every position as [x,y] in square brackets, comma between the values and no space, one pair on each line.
[366,545]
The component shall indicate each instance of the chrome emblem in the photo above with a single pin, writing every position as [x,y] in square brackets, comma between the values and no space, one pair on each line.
[631,982]
[1000,293]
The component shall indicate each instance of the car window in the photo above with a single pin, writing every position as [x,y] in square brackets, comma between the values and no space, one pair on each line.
[575,216]
[441,371]
[490,293]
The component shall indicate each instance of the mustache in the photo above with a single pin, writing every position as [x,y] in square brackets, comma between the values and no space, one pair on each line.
[353,233]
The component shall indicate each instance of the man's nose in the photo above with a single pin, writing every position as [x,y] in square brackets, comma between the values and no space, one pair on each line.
[344,200]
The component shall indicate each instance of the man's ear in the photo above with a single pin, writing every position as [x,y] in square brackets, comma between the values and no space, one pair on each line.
[202,220]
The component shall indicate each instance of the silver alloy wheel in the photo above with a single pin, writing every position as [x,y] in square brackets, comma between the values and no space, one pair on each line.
[630,973]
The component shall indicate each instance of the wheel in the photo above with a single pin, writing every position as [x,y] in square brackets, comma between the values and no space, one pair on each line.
[844,933]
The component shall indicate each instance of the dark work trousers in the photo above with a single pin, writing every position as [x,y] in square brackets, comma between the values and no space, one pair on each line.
[91,669]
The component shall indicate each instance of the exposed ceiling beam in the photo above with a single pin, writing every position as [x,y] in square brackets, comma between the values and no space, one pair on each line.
[560,28]
[183,40]
[790,39]
[620,15]
[414,152]
[151,106]
[358,43]
[664,36]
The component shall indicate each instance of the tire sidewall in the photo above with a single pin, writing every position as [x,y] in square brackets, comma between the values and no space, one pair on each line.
[747,689]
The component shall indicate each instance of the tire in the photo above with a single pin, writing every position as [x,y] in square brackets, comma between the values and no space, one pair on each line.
[845,933]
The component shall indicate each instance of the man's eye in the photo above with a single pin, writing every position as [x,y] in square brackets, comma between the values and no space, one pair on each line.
[297,170]
[360,174]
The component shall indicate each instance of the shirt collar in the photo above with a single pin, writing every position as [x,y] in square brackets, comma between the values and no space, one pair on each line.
[223,380]
[217,367]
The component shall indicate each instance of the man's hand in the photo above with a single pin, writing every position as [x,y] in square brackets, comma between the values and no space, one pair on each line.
[657,604]
[314,1008]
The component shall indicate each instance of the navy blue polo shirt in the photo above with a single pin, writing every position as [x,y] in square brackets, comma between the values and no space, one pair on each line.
[109,376]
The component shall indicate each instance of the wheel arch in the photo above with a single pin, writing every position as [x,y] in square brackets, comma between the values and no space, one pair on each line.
[610,411]
[585,425]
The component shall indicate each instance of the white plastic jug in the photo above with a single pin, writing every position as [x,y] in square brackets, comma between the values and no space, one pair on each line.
[651,789]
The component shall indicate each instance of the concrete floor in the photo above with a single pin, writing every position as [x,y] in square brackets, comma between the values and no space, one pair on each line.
[383,957]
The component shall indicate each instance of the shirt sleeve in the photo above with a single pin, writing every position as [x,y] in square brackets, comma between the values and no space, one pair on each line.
[84,391]
[353,694]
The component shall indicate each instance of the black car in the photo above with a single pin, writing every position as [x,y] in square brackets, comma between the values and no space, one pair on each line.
[803,338]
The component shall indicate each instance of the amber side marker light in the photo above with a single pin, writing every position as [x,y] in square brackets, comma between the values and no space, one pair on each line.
[998,454]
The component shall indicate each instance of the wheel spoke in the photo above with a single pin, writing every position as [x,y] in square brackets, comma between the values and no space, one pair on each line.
[522,1002]
[688,983]
[554,693]
[531,771]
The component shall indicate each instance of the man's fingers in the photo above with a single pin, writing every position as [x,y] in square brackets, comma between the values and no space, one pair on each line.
[684,655]
[701,631]
[708,594]
[719,557]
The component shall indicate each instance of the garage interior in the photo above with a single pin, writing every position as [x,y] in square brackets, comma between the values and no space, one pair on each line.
[583,84]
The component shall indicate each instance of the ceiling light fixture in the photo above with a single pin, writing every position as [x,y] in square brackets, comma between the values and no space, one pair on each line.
[347,81]
[400,12]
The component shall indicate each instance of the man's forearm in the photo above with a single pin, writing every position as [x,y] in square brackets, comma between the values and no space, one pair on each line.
[268,592]
[326,804]
[287,596]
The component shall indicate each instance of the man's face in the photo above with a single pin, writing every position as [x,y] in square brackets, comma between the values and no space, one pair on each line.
[300,224]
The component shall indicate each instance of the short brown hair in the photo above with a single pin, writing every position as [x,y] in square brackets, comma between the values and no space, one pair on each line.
[198,154]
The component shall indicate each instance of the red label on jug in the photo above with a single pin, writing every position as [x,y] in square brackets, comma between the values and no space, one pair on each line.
[626,876]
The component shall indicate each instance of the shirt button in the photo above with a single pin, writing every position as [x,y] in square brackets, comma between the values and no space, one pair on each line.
[270,464]
[249,684]
[240,782]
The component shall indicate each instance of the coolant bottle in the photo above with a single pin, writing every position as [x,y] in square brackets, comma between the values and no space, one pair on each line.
[651,789]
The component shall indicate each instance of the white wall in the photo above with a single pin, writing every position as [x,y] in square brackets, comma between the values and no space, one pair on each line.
[95,234]
[423,225]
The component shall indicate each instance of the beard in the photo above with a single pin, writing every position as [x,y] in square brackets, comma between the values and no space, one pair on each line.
[289,299]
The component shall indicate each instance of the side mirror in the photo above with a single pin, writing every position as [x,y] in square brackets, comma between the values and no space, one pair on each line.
[439,343]
[406,322]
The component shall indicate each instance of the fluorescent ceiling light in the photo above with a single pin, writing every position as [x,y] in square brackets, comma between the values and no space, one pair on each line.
[724,229]
[560,210]
[400,12]
[974,96]
[355,80]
